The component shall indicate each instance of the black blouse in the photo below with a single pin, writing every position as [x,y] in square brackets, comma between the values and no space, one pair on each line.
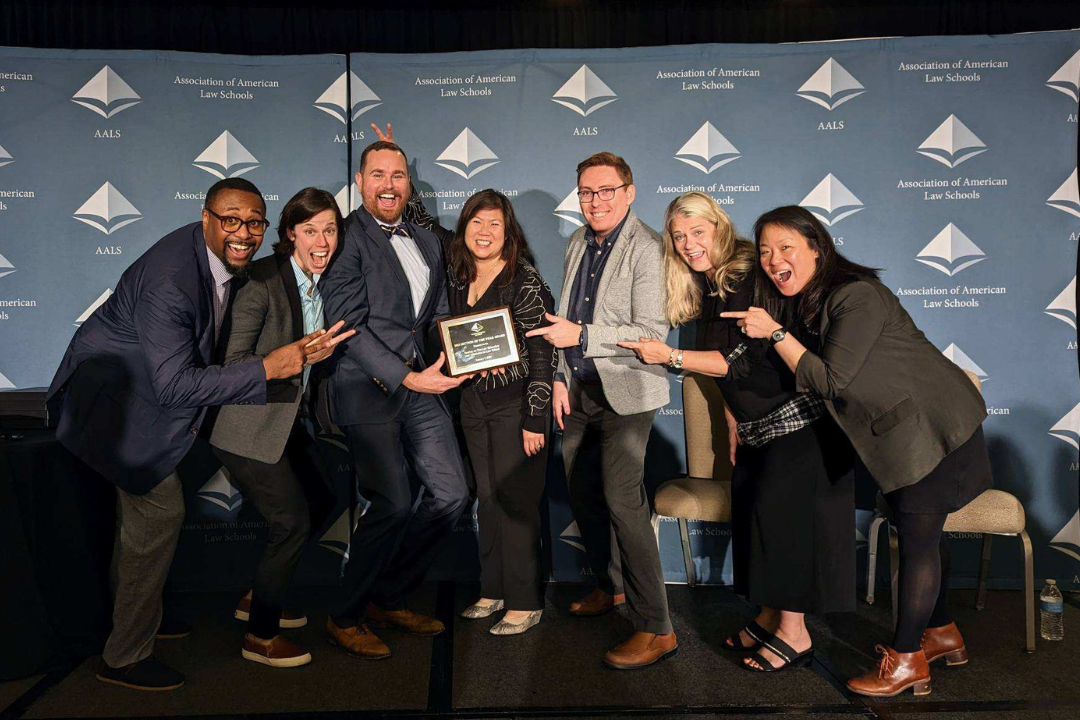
[527,381]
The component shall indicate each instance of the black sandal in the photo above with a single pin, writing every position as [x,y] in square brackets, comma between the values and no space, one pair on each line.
[782,650]
[755,631]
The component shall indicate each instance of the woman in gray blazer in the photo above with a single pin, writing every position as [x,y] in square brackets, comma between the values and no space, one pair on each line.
[912,415]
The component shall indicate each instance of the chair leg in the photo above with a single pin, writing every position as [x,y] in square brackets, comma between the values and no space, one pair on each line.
[894,571]
[656,528]
[1029,591]
[871,562]
[984,570]
[687,555]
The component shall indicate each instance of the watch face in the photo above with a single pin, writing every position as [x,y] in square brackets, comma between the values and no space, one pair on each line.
[779,335]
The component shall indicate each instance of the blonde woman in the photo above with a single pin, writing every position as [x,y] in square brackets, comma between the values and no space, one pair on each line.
[792,512]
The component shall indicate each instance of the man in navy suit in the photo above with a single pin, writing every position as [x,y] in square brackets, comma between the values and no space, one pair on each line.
[388,282]
[132,392]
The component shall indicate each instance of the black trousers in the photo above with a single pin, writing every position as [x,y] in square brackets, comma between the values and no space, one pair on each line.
[292,495]
[616,500]
[509,487]
[392,546]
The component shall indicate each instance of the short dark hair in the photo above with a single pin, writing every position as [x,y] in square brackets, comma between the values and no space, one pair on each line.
[831,271]
[515,247]
[381,145]
[301,207]
[231,184]
[607,159]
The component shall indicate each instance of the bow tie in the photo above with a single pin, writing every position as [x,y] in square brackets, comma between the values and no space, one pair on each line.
[400,230]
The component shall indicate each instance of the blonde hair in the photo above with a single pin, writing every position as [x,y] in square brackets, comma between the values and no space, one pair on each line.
[732,257]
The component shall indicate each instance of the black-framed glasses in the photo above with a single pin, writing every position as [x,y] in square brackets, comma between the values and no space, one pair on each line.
[231,223]
[586,196]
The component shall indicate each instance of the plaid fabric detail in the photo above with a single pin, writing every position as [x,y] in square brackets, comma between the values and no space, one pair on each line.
[793,415]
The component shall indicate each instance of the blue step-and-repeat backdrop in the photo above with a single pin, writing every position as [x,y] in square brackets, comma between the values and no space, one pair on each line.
[951,163]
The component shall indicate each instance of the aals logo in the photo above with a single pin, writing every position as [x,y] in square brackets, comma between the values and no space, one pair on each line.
[351,90]
[961,358]
[93,306]
[5,157]
[107,210]
[584,92]
[572,536]
[467,155]
[339,535]
[831,86]
[219,491]
[830,201]
[1064,305]
[570,210]
[6,268]
[6,384]
[106,94]
[1068,539]
[952,143]
[707,150]
[950,251]
[348,198]
[226,158]
[1067,197]
[1067,79]
[1068,428]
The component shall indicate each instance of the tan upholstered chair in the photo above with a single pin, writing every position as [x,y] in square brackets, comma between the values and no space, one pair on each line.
[994,512]
[705,492]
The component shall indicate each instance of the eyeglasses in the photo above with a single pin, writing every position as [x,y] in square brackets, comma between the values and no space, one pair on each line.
[230,223]
[586,196]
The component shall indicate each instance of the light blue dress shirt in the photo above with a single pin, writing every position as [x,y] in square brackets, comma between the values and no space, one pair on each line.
[311,304]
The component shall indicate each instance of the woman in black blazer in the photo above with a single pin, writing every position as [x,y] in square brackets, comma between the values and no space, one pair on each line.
[913,416]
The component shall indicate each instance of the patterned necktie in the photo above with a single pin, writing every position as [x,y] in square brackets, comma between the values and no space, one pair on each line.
[393,230]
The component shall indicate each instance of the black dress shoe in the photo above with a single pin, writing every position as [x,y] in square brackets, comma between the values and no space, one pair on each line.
[172,629]
[147,674]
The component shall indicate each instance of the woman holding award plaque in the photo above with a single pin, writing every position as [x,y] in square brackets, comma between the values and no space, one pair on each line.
[505,413]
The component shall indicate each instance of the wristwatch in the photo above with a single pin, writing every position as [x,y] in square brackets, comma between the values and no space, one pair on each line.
[678,361]
[777,336]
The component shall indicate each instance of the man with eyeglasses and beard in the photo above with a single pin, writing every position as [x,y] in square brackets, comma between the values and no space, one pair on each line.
[132,392]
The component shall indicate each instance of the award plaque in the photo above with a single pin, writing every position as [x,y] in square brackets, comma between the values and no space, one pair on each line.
[479,341]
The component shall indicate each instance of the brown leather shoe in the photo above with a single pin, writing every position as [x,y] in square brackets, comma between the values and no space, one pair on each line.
[357,640]
[597,602]
[289,619]
[641,650]
[896,673]
[279,652]
[944,642]
[405,620]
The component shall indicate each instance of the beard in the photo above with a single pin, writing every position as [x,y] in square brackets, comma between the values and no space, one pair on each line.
[387,217]
[237,271]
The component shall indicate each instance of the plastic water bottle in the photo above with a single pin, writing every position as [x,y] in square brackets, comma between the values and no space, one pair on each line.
[1052,626]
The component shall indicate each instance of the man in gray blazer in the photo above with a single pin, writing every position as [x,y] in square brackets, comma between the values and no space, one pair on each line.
[613,289]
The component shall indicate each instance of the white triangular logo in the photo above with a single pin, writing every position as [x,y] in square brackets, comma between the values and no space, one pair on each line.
[106,94]
[6,268]
[5,157]
[831,86]
[952,143]
[94,306]
[570,209]
[107,210]
[333,100]
[950,251]
[571,535]
[1063,306]
[226,158]
[1067,197]
[1068,428]
[220,491]
[1069,537]
[348,201]
[467,155]
[339,535]
[1067,78]
[584,92]
[6,384]
[705,146]
[961,358]
[830,202]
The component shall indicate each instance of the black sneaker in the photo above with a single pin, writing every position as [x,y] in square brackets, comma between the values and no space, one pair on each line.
[172,629]
[147,674]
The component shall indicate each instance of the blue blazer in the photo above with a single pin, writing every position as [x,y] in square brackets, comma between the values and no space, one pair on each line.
[366,286]
[137,378]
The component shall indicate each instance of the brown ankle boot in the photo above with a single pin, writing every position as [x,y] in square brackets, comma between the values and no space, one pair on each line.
[944,642]
[896,673]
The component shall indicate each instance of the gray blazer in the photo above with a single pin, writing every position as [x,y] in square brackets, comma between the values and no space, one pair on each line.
[265,315]
[629,305]
[901,402]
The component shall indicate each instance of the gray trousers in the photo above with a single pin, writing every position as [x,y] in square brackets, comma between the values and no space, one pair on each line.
[147,530]
[616,502]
